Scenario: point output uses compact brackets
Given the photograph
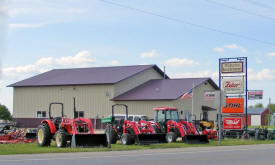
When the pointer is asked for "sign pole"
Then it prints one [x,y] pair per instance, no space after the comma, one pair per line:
[246,124]
[220,106]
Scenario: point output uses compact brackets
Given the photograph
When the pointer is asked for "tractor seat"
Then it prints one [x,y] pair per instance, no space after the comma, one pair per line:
[57,121]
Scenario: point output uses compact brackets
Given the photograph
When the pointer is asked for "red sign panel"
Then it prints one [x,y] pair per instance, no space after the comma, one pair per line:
[232,123]
[233,105]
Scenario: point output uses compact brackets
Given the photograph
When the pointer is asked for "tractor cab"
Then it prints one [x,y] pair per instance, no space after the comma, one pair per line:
[163,114]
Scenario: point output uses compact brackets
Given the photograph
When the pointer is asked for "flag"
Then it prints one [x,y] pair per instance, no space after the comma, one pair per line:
[187,95]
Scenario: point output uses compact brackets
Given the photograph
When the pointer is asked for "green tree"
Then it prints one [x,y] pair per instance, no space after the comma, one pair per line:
[271,107]
[4,113]
[259,105]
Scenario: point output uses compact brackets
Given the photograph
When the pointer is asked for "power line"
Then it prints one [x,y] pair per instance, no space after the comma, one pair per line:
[259,4]
[188,23]
[240,10]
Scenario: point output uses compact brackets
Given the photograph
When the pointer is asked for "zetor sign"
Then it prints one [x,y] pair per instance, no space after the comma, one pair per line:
[232,123]
[233,105]
[232,85]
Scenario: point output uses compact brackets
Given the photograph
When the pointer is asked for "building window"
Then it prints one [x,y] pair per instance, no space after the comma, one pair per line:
[41,114]
[79,113]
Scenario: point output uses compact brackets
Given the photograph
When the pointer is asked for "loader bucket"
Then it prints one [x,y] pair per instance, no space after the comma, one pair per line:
[146,139]
[195,139]
[89,140]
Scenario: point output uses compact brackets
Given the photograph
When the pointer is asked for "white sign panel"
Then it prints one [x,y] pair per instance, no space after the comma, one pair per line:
[232,67]
[209,95]
[233,85]
[255,120]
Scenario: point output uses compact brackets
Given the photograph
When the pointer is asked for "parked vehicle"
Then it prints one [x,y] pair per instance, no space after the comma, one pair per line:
[207,127]
[131,117]
[77,132]
[130,132]
[169,123]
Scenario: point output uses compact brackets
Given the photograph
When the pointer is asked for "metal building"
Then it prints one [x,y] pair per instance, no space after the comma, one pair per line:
[141,87]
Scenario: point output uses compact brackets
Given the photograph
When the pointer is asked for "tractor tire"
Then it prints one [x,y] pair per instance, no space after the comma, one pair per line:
[171,137]
[113,134]
[126,139]
[61,138]
[43,135]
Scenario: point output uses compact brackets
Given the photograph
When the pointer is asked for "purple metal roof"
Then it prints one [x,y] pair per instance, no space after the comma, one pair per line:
[82,76]
[163,89]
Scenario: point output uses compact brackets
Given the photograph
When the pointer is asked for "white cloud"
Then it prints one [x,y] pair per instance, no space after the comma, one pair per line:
[50,11]
[272,54]
[81,59]
[231,46]
[259,61]
[115,63]
[3,9]
[151,54]
[180,62]
[217,49]
[16,26]
[204,73]
[264,74]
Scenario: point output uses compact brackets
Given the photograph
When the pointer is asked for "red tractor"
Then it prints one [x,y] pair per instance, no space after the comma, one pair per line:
[168,121]
[77,132]
[130,132]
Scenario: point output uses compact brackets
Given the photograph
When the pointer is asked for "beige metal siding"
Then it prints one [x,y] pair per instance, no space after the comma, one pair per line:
[135,81]
[198,102]
[93,100]
[89,98]
[146,107]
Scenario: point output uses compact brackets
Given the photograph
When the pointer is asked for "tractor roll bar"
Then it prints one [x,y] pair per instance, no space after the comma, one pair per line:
[126,109]
[50,108]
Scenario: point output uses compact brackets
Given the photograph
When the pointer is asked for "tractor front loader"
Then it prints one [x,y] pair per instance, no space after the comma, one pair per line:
[130,132]
[168,121]
[76,132]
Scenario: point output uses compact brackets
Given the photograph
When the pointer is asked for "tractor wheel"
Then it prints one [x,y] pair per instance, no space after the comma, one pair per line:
[171,137]
[43,135]
[61,138]
[113,134]
[126,139]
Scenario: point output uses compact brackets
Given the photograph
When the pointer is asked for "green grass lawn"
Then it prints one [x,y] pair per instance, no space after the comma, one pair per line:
[33,148]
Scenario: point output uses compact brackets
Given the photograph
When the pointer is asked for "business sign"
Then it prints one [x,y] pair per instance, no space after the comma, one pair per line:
[209,96]
[233,85]
[255,94]
[232,67]
[233,105]
[232,123]
[255,120]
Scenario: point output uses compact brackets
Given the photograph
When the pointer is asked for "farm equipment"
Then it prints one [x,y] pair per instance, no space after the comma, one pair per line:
[168,121]
[260,134]
[10,134]
[130,132]
[78,132]
[207,127]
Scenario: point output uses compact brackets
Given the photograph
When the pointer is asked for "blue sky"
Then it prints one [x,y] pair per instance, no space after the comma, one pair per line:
[39,35]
